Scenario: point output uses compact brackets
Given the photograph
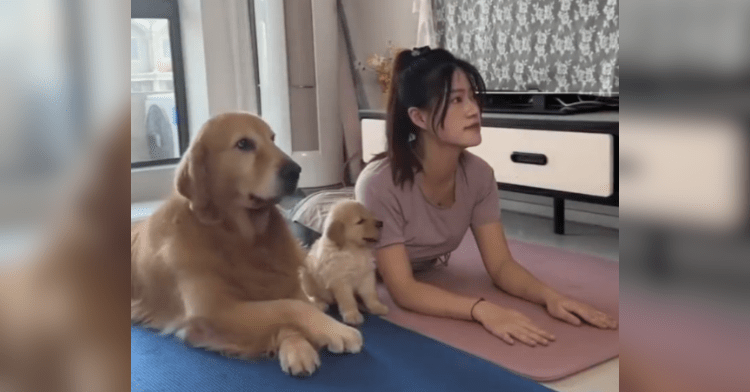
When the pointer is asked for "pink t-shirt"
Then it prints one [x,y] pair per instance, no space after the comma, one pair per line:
[429,231]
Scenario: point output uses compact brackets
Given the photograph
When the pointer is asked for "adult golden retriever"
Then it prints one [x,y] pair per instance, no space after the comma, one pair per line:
[217,264]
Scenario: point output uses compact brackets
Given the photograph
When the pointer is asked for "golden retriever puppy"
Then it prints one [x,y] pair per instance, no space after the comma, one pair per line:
[340,264]
[217,263]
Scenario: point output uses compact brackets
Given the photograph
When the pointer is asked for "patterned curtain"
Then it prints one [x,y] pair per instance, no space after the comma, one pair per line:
[567,46]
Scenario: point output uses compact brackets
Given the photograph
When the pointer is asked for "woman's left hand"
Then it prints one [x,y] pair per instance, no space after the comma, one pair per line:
[570,310]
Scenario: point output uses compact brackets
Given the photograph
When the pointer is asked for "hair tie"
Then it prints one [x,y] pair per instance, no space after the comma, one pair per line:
[420,51]
[418,58]
[471,312]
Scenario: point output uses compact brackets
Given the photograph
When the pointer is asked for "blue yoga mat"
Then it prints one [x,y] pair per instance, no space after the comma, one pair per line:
[392,359]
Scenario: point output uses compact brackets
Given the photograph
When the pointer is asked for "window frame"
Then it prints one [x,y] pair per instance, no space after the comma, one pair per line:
[169,10]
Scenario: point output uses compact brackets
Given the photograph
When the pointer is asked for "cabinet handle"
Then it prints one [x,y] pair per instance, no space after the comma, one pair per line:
[528,158]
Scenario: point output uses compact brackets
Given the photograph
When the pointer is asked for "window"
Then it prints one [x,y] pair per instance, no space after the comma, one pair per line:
[159,130]
[134,49]
[209,45]
[167,49]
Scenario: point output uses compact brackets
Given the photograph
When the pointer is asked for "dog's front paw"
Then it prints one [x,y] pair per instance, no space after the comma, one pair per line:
[298,357]
[353,317]
[343,338]
[378,309]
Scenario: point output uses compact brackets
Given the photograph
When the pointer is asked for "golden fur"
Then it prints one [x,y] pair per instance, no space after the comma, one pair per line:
[340,264]
[217,263]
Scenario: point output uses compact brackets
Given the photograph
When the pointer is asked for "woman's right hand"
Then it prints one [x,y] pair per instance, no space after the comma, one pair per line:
[508,324]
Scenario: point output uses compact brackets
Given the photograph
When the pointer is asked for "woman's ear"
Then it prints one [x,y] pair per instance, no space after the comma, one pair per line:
[418,117]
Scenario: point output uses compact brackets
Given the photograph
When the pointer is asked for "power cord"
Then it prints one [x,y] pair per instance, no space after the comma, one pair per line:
[356,154]
[586,105]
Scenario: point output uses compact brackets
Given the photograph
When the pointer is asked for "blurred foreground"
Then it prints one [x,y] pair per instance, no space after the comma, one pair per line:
[64,196]
[684,176]
[685,196]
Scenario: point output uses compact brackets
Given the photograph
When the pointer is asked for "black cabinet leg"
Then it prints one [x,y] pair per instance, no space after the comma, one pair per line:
[559,215]
[658,264]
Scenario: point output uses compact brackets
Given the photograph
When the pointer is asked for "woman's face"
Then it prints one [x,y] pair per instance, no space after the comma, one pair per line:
[462,124]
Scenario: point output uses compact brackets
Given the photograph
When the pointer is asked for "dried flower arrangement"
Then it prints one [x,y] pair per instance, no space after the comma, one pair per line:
[382,65]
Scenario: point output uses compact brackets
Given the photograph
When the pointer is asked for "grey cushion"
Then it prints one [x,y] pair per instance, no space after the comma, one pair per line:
[309,215]
[312,211]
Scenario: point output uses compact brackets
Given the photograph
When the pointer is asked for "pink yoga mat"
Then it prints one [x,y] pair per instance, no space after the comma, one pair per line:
[586,278]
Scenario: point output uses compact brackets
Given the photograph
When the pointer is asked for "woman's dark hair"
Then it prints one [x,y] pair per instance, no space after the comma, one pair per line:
[420,78]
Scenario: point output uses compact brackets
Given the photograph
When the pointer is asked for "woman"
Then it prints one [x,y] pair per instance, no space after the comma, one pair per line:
[428,190]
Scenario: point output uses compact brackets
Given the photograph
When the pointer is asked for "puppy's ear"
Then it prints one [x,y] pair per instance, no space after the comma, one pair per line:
[336,233]
[192,181]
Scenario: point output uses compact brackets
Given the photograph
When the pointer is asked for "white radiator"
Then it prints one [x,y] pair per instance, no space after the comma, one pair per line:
[298,72]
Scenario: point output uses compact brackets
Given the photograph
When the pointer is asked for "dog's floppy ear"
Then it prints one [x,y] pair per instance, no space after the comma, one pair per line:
[336,233]
[192,181]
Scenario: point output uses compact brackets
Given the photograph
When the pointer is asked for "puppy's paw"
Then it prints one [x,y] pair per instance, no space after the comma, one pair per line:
[353,317]
[378,308]
[344,338]
[298,357]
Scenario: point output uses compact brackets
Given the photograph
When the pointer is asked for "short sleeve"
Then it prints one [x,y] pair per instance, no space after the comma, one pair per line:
[487,203]
[385,205]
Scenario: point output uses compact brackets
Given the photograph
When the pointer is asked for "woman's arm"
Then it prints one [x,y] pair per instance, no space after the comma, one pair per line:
[393,265]
[507,324]
[512,278]
[505,272]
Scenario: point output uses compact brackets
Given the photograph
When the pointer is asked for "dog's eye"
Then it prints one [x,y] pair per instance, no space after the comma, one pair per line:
[361,221]
[246,144]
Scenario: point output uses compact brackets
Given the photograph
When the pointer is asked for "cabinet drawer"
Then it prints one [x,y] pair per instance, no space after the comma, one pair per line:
[557,160]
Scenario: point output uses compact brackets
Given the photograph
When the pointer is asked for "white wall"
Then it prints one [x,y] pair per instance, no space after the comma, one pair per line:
[228,56]
[371,25]
[193,51]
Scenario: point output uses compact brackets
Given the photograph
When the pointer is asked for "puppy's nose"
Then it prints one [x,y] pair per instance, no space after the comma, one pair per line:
[379,224]
[289,174]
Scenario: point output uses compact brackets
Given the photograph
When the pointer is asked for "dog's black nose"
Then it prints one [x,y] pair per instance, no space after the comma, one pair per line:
[378,224]
[290,171]
[289,174]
